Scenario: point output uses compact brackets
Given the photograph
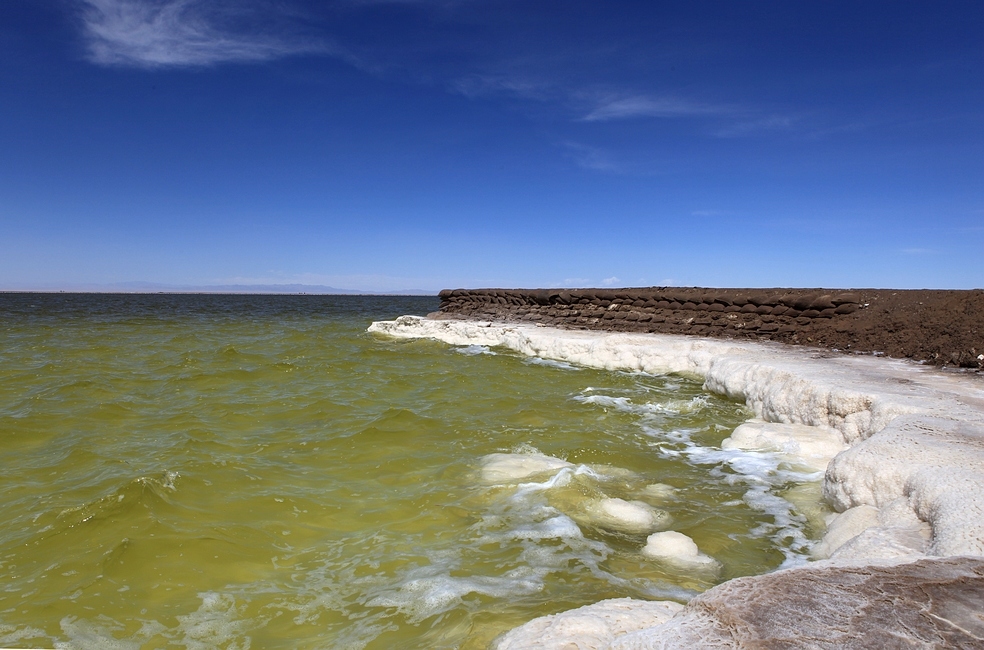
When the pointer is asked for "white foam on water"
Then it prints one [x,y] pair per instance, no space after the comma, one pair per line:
[218,622]
[84,634]
[626,405]
[550,363]
[428,591]
[12,636]
[472,350]
[763,475]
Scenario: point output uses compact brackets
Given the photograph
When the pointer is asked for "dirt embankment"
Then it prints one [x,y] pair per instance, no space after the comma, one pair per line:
[944,328]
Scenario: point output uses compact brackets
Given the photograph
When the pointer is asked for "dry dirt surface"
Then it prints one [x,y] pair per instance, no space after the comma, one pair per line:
[941,327]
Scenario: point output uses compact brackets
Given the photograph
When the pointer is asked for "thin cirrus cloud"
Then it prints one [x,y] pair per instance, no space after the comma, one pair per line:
[620,108]
[587,157]
[182,33]
[483,85]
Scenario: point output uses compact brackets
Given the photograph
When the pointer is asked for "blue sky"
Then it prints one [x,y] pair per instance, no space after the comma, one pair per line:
[416,144]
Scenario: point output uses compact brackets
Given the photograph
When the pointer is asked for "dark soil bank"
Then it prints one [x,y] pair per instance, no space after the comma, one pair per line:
[945,328]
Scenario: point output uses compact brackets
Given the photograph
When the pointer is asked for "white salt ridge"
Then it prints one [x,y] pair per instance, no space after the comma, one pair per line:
[916,433]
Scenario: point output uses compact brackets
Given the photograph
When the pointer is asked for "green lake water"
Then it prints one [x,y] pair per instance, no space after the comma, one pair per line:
[259,472]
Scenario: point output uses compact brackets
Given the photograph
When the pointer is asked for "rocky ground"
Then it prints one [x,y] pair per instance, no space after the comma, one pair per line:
[941,327]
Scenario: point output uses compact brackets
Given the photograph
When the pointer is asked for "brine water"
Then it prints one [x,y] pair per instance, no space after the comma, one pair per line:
[207,471]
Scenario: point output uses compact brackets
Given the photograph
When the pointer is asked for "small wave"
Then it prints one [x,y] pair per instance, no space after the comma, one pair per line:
[139,490]
[472,350]
[625,405]
[550,363]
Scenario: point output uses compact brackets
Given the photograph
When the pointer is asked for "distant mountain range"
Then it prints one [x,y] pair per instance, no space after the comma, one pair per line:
[153,287]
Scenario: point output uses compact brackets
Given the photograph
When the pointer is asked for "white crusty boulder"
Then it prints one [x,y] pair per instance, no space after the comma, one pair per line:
[503,469]
[592,627]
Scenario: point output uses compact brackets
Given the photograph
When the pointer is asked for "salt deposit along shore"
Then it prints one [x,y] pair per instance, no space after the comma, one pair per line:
[901,565]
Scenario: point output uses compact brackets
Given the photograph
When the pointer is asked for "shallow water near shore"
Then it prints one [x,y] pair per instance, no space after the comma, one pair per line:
[258,471]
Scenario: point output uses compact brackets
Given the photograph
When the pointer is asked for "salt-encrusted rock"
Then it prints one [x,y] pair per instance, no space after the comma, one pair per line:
[844,527]
[813,447]
[634,517]
[658,491]
[678,551]
[587,628]
[500,469]
[930,603]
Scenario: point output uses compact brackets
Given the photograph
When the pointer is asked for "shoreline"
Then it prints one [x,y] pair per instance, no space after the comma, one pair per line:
[909,488]
[944,328]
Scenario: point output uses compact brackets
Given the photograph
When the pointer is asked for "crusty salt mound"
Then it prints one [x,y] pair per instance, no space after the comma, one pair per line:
[634,517]
[812,447]
[902,446]
[679,551]
[499,469]
[593,626]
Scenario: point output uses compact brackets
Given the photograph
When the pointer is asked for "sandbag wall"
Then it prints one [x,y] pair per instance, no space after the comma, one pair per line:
[740,312]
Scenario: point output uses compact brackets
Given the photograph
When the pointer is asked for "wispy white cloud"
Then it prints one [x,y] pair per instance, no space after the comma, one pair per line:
[610,282]
[754,126]
[609,107]
[587,157]
[484,85]
[709,213]
[169,33]
[918,251]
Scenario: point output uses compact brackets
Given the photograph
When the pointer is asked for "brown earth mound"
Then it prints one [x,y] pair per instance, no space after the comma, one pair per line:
[944,328]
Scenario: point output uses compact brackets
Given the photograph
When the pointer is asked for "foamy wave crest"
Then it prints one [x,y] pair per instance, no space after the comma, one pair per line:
[550,363]
[626,405]
[219,622]
[472,350]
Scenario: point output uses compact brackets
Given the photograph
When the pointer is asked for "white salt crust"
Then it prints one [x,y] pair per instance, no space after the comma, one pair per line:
[903,444]
[593,626]
[810,446]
